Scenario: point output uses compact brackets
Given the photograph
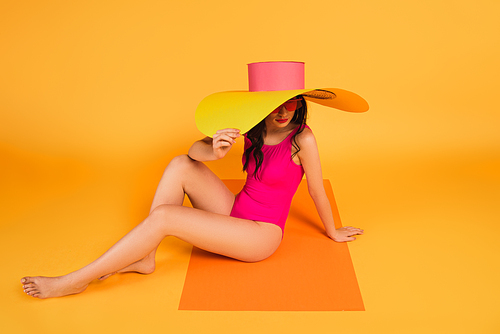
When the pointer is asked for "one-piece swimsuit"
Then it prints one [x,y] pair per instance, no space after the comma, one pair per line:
[268,198]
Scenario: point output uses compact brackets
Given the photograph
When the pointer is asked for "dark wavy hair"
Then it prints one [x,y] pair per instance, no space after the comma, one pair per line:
[257,133]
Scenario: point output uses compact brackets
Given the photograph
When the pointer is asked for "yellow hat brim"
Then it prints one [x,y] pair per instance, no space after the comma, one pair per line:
[243,110]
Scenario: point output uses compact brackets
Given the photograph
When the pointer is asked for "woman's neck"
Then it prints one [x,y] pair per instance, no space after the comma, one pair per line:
[276,135]
[273,130]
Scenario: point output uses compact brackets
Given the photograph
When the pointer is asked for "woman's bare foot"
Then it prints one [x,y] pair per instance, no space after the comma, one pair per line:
[145,266]
[48,287]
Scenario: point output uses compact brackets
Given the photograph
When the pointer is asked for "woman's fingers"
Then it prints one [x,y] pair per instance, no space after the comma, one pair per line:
[233,133]
[228,130]
[346,233]
[225,137]
[351,229]
[223,140]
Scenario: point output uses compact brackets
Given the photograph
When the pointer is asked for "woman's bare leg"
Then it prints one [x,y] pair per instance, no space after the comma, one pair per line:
[204,189]
[241,239]
[213,231]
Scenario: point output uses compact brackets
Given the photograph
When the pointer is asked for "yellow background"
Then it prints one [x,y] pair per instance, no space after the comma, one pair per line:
[97,96]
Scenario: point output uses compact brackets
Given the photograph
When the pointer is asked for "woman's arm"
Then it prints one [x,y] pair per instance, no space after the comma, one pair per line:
[215,148]
[309,158]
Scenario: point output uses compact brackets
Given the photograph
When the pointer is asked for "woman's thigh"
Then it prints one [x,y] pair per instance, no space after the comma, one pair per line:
[204,189]
[241,239]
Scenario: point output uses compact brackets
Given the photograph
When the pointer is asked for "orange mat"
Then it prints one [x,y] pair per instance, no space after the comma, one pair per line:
[309,271]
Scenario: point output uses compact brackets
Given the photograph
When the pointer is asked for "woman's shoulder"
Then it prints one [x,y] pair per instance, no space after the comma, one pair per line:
[306,134]
[306,140]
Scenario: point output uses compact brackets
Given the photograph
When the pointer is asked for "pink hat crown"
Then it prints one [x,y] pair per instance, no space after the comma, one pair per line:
[275,75]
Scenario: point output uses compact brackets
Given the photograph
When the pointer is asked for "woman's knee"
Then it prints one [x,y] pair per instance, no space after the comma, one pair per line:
[182,164]
[181,161]
[158,218]
[167,218]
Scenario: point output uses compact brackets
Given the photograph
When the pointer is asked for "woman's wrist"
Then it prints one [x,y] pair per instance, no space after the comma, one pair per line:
[332,233]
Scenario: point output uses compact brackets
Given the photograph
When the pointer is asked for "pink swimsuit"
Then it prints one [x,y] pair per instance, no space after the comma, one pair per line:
[268,199]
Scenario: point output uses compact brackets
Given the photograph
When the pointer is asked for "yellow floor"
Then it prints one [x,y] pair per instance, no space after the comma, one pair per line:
[428,262]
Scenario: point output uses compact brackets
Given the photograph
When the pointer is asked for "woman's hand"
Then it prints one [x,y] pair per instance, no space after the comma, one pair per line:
[345,234]
[223,140]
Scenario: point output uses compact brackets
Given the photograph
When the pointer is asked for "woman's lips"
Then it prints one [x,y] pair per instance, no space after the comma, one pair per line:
[282,120]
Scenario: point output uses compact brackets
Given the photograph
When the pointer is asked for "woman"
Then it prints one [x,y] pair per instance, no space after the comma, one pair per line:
[278,151]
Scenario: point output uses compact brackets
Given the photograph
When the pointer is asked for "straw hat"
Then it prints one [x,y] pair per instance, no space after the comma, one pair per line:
[270,85]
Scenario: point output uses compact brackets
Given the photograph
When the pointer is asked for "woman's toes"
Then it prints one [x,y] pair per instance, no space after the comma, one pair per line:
[30,287]
[30,290]
[28,281]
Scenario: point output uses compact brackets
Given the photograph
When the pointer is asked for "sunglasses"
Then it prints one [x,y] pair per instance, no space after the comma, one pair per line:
[290,105]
